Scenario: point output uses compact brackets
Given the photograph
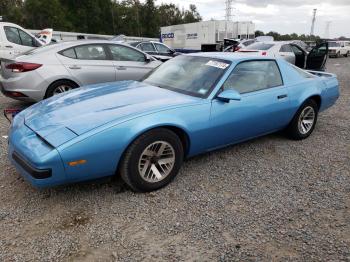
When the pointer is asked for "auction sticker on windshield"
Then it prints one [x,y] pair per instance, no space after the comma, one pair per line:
[217,64]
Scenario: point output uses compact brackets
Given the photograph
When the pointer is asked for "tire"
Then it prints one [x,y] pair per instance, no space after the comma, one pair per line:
[338,55]
[297,129]
[347,54]
[145,154]
[60,86]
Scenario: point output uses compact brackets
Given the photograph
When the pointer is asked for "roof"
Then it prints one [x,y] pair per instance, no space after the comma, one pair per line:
[233,57]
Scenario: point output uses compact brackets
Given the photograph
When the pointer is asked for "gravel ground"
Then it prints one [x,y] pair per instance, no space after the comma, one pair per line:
[267,199]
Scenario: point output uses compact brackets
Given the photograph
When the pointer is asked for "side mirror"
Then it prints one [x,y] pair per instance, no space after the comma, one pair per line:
[148,58]
[229,94]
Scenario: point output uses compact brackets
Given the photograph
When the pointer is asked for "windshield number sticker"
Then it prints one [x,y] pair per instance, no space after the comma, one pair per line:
[217,64]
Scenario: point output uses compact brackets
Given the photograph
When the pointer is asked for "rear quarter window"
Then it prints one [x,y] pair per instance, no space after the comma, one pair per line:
[69,53]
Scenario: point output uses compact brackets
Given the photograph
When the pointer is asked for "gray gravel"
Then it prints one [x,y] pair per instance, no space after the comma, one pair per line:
[267,199]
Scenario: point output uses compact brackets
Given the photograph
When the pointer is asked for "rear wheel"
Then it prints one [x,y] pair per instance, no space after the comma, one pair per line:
[304,121]
[59,87]
[152,160]
[347,54]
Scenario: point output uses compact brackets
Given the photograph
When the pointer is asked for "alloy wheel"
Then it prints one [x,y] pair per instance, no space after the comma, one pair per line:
[61,89]
[306,120]
[156,161]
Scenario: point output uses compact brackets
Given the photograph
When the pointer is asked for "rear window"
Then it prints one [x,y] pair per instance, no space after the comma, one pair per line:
[302,72]
[259,46]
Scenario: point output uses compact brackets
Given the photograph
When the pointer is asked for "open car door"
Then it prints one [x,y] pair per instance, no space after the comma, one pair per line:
[316,59]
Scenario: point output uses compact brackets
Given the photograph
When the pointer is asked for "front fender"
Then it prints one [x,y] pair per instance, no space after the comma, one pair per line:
[103,149]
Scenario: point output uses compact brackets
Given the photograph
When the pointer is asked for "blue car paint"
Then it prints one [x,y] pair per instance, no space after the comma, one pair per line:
[98,122]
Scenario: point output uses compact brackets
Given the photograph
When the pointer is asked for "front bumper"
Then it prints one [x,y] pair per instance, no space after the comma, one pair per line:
[34,172]
[38,162]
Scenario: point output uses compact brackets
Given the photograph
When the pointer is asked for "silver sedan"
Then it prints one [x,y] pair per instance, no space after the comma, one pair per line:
[57,68]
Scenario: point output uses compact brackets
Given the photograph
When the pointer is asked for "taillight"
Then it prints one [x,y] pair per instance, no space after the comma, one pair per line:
[23,67]
[264,53]
[237,48]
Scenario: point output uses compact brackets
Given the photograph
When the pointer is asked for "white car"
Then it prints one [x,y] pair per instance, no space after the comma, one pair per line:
[339,48]
[291,52]
[57,68]
[15,40]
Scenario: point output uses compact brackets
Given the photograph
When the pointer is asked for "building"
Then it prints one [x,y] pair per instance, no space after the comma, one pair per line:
[201,35]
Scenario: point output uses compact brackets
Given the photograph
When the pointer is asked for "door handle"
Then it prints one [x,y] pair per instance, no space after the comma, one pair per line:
[75,67]
[121,68]
[282,96]
[8,46]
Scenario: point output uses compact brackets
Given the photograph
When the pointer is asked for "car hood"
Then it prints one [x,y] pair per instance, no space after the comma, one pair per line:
[63,117]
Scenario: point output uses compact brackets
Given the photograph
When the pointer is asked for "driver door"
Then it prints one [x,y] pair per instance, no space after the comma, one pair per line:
[317,58]
[264,106]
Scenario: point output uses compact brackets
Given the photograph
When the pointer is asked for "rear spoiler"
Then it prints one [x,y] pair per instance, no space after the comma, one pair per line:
[320,74]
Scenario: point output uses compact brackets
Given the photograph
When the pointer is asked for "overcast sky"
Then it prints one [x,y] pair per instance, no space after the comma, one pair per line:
[283,16]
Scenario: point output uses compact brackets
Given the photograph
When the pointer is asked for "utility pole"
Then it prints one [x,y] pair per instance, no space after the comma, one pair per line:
[228,14]
[326,33]
[313,22]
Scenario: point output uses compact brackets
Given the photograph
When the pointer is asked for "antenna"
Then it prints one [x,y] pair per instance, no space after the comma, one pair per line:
[326,33]
[228,14]
[313,22]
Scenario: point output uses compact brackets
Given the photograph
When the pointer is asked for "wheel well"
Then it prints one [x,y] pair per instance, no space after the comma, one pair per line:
[63,79]
[185,140]
[317,99]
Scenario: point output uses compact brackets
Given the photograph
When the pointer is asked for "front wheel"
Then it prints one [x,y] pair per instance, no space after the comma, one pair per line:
[304,121]
[152,160]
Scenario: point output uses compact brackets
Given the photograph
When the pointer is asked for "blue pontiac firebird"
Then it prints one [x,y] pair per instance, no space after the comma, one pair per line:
[143,130]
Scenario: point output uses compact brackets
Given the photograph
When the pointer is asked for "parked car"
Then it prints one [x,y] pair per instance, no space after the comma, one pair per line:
[57,68]
[143,130]
[15,40]
[339,48]
[239,45]
[293,53]
[158,50]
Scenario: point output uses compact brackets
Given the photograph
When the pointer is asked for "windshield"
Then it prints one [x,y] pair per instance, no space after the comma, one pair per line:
[333,44]
[259,46]
[192,75]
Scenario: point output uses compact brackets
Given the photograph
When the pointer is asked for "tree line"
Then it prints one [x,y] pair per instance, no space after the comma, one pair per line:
[288,37]
[112,17]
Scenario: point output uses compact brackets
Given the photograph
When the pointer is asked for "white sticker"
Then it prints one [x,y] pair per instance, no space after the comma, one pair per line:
[5,137]
[217,64]
[202,91]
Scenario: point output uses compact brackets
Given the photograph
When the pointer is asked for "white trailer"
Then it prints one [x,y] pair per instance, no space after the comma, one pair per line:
[205,34]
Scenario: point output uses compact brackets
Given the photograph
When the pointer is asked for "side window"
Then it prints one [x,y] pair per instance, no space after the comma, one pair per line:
[297,50]
[69,53]
[147,47]
[162,48]
[286,48]
[252,76]
[12,35]
[27,40]
[123,53]
[90,52]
